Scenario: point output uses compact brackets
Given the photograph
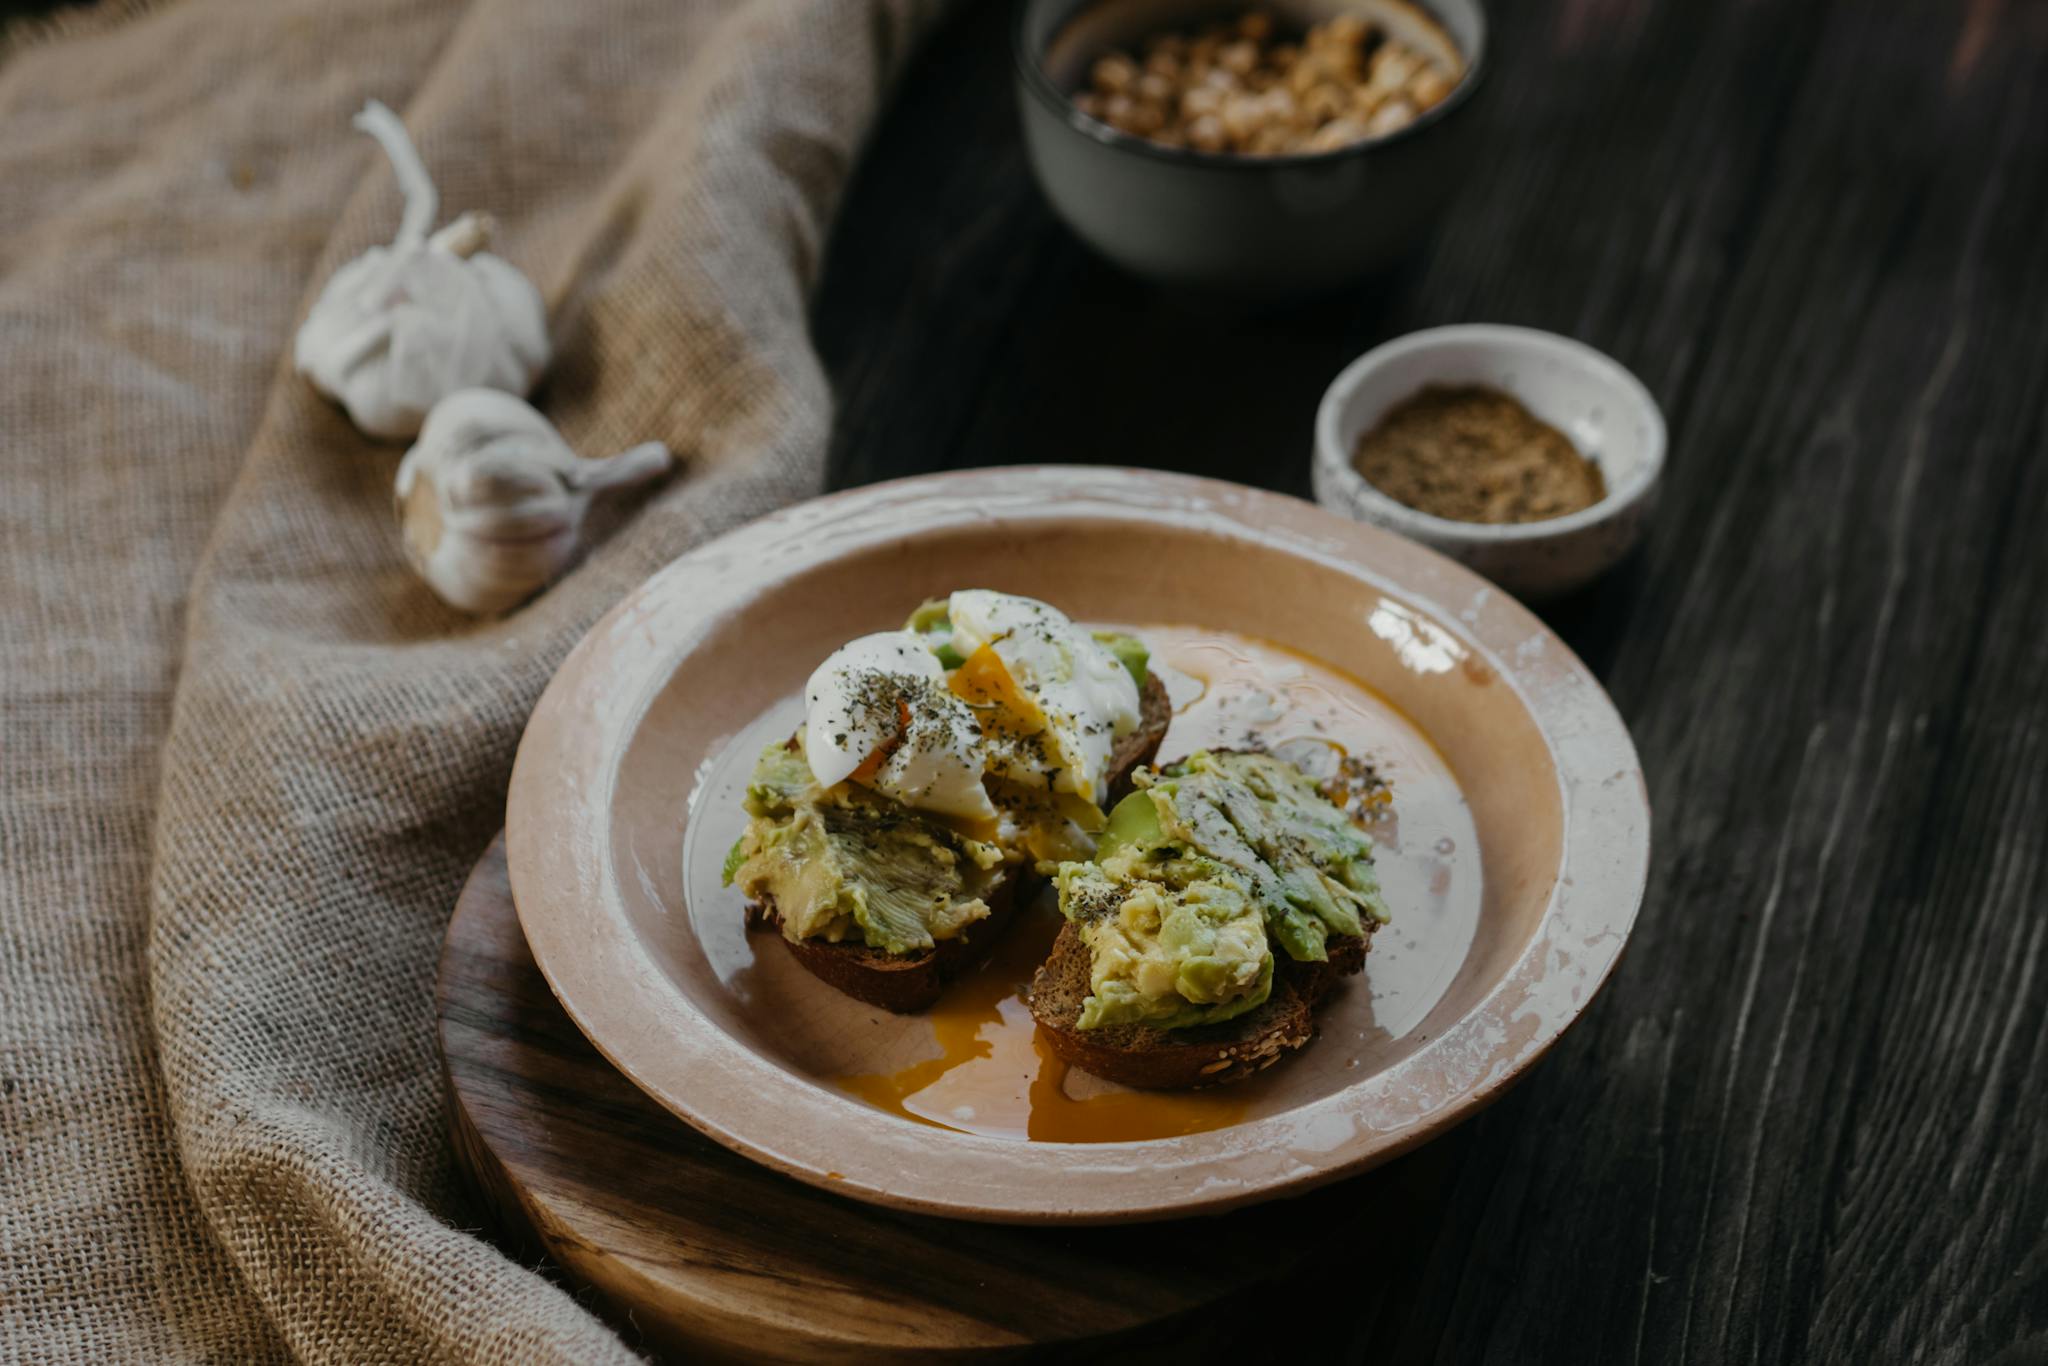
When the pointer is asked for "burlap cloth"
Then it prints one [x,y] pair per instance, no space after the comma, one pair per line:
[248,759]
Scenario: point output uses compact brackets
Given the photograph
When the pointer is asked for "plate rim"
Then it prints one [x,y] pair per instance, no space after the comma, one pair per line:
[602,990]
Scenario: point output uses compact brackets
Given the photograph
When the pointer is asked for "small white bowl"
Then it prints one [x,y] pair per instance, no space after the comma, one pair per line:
[1604,409]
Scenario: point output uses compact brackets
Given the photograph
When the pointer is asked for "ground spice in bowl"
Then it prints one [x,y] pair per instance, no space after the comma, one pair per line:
[1474,454]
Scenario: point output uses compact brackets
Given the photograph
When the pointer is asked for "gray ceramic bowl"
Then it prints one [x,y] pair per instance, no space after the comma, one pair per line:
[1258,227]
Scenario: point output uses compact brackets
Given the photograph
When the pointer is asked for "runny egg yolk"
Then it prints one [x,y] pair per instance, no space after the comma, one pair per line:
[984,681]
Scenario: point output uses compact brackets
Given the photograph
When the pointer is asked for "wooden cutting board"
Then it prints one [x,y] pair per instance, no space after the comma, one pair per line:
[694,1251]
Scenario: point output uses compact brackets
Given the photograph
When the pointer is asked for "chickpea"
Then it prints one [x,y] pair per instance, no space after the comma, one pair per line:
[1346,30]
[1238,58]
[1205,134]
[1392,68]
[1203,99]
[1337,133]
[1113,73]
[1324,102]
[1241,117]
[1390,117]
[1429,87]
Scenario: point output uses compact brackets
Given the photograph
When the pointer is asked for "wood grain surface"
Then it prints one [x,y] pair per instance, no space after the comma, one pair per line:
[1805,1121]
[698,1254]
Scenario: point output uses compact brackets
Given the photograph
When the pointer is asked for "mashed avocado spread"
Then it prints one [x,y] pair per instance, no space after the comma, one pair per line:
[1199,872]
[844,863]
[847,863]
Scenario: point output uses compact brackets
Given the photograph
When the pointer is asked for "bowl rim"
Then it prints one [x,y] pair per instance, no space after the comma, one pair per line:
[569,887]
[1032,76]
[1334,460]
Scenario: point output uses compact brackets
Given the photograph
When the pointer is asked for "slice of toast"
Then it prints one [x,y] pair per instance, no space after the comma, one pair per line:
[903,982]
[1182,1059]
[910,982]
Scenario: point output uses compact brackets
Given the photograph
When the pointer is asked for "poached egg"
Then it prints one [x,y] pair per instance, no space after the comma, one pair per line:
[1053,700]
[878,711]
[1035,701]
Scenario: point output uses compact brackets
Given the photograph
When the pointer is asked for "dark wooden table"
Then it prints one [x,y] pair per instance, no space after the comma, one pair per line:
[1806,1120]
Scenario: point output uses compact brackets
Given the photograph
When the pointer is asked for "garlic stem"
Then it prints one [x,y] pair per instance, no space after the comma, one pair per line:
[635,466]
[466,236]
[422,201]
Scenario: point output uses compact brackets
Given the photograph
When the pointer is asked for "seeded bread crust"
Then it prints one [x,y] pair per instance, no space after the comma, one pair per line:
[907,983]
[1141,746]
[1184,1059]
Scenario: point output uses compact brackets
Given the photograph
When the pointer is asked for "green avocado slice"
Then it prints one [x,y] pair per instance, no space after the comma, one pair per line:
[1197,873]
[1308,865]
[931,620]
[1133,825]
[1129,651]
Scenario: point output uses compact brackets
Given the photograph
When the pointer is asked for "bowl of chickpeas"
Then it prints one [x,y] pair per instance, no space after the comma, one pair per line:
[1263,152]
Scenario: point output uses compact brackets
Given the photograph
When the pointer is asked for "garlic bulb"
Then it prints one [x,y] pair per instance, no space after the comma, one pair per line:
[491,498]
[400,327]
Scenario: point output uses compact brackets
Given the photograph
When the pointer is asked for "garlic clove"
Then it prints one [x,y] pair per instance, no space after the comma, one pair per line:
[403,326]
[491,499]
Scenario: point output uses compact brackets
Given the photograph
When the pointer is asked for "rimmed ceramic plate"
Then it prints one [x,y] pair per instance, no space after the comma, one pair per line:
[1508,916]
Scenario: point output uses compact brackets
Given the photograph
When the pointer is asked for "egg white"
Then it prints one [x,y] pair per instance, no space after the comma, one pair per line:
[855,704]
[1085,698]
